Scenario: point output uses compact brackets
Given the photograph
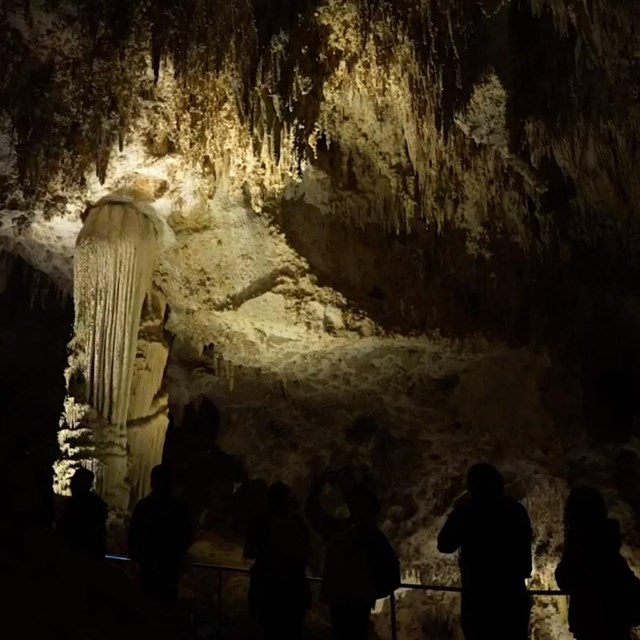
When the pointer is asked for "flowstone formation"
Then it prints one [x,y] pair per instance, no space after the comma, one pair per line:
[115,416]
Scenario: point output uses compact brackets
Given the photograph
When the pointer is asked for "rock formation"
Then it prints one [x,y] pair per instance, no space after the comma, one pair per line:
[115,417]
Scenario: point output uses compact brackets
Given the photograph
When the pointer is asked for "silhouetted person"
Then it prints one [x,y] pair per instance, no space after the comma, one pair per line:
[493,535]
[603,591]
[279,593]
[160,535]
[360,565]
[84,519]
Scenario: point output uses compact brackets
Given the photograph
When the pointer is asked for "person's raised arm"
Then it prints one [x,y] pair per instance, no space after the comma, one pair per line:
[323,523]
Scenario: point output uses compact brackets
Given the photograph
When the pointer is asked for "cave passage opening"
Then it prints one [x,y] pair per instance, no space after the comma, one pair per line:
[35,327]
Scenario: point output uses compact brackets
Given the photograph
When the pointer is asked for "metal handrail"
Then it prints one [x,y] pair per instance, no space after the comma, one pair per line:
[221,569]
[403,585]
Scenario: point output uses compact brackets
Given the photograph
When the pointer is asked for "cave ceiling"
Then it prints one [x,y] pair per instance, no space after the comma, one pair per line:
[392,158]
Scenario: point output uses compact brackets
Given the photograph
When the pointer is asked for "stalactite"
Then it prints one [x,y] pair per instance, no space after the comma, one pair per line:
[113,265]
[145,440]
[117,356]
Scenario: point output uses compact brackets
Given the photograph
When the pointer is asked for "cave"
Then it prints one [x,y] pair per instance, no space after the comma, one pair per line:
[253,242]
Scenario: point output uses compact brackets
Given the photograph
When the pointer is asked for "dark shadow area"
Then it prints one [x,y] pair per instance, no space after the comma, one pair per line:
[581,306]
[54,591]
[35,327]
[604,593]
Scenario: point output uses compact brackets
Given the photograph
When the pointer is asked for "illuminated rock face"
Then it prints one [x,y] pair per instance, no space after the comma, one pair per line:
[115,417]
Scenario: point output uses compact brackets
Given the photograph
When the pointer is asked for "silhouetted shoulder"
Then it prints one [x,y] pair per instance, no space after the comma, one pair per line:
[143,504]
[518,512]
[138,510]
[99,505]
[514,505]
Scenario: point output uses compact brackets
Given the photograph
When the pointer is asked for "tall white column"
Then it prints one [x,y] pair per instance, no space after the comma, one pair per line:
[115,415]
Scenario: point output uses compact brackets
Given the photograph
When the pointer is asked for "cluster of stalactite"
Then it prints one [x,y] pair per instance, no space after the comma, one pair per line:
[574,96]
[252,79]
[67,115]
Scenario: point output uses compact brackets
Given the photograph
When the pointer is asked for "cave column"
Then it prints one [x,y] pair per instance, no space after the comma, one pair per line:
[115,414]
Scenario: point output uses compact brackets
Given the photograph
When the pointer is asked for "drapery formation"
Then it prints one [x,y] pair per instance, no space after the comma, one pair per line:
[112,275]
[115,416]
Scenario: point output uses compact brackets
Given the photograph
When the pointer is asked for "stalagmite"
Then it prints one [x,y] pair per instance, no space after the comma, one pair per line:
[117,354]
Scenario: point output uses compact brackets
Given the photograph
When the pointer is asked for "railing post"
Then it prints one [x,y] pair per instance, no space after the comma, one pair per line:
[392,607]
[220,595]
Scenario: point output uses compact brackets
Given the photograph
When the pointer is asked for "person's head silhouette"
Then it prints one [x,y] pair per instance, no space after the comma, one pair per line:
[585,507]
[161,480]
[364,506]
[81,482]
[484,482]
[278,498]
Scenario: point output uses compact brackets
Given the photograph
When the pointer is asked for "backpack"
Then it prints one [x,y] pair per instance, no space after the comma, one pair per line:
[384,564]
